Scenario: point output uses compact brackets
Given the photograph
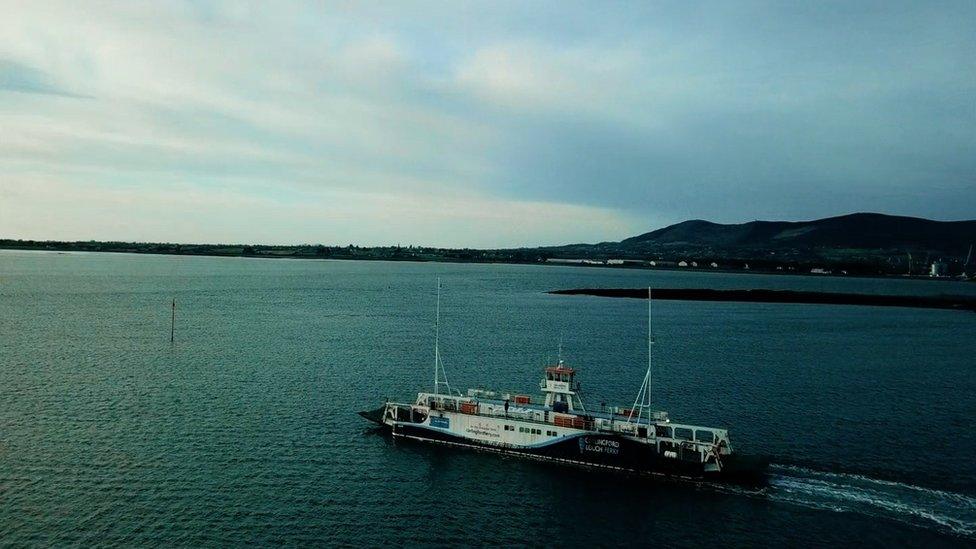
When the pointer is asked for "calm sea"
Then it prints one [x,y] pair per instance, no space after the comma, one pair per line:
[244,431]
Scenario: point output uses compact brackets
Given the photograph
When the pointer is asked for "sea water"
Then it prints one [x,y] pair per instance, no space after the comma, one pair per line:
[244,431]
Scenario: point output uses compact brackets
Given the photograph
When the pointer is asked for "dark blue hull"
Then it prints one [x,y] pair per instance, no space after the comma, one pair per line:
[607,451]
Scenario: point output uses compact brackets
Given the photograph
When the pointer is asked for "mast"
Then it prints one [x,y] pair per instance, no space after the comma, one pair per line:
[649,348]
[172,323]
[440,374]
[643,400]
[437,339]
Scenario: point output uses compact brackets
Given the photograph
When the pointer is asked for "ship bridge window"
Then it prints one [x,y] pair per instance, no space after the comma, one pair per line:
[704,436]
[662,431]
[683,433]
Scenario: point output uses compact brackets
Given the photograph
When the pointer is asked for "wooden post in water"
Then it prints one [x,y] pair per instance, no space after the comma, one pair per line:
[172,324]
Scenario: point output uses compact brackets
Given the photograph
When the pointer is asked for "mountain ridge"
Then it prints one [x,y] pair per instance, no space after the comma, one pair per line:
[861,230]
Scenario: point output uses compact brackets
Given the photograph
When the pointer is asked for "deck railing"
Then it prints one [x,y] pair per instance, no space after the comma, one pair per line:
[588,425]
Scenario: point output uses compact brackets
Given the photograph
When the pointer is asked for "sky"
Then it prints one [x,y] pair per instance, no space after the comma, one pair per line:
[488,124]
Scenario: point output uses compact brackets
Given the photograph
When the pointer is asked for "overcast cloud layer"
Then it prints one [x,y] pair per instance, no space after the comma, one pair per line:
[491,124]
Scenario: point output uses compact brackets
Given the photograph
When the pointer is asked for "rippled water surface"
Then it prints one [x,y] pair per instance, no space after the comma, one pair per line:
[244,431]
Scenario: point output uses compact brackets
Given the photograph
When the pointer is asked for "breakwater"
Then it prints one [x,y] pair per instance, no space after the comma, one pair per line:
[962,303]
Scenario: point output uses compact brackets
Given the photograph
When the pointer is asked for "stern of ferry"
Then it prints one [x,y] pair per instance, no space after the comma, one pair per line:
[745,469]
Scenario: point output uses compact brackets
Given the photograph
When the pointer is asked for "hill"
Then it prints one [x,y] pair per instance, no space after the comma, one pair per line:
[860,231]
[860,243]
[854,231]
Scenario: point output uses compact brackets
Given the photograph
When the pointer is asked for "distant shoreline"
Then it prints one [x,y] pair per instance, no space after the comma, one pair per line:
[400,254]
[958,303]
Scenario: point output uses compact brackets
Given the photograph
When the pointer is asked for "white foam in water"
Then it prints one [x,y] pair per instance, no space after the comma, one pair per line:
[858,494]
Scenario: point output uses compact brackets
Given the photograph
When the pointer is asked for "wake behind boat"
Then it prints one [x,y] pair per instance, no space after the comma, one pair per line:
[558,427]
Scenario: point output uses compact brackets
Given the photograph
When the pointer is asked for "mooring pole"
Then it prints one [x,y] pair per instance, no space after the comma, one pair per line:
[172,323]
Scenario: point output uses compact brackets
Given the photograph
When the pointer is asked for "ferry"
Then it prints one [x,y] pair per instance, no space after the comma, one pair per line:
[558,427]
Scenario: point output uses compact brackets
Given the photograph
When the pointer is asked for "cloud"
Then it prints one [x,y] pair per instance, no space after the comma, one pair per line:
[170,210]
[391,117]
[15,77]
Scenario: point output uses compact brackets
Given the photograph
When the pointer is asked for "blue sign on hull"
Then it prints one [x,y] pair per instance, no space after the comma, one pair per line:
[440,422]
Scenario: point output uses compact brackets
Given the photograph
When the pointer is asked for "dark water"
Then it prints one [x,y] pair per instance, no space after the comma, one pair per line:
[245,431]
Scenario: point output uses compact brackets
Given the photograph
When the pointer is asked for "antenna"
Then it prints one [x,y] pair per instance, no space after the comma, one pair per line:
[172,323]
[559,356]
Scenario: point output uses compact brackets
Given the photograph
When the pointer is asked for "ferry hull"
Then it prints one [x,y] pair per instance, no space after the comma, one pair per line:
[600,450]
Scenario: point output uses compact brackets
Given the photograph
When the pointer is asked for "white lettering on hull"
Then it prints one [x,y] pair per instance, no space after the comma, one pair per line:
[483,430]
[600,446]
